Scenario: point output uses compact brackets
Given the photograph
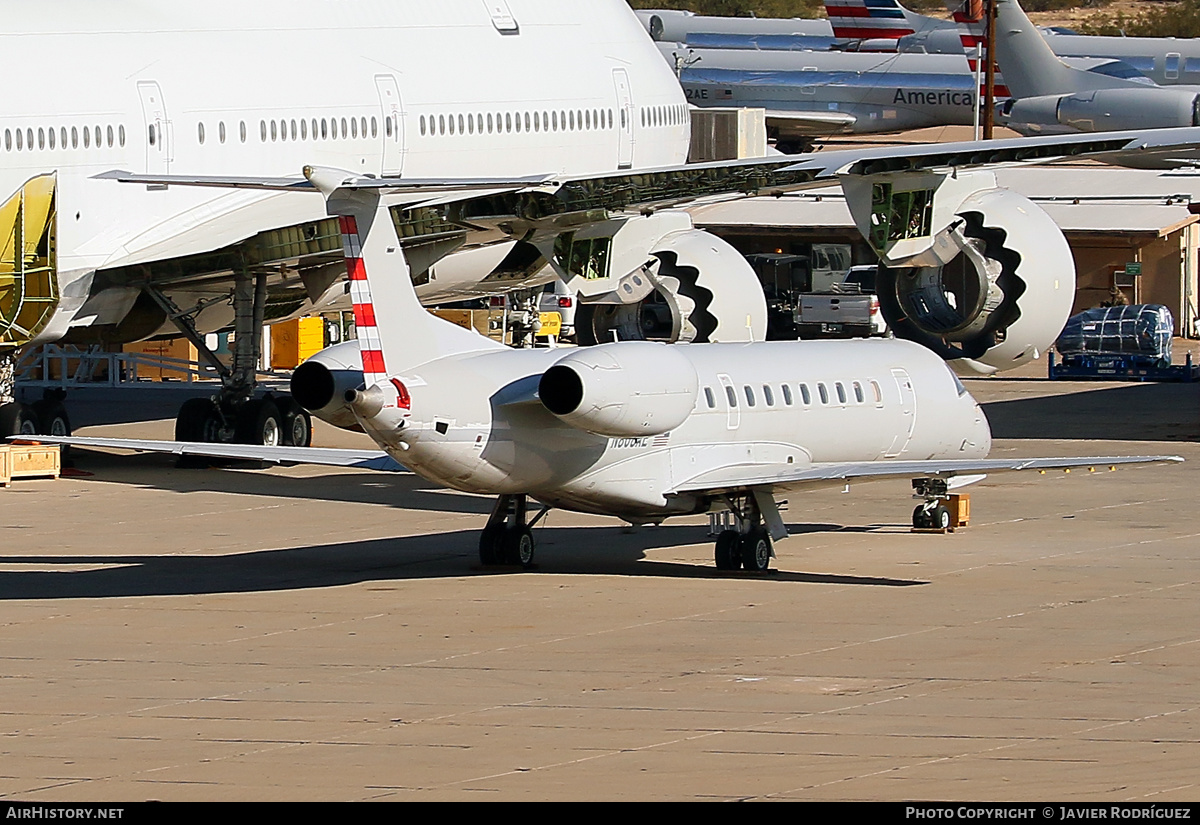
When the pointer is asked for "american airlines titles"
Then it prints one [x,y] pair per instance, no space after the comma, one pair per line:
[943,98]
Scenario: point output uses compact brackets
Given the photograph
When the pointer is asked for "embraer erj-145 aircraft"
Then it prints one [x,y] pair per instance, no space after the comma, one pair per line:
[638,430]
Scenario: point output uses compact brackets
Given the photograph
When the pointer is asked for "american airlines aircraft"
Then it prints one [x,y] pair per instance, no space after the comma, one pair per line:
[634,429]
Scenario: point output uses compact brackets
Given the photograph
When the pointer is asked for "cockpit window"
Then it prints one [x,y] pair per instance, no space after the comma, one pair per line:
[958,385]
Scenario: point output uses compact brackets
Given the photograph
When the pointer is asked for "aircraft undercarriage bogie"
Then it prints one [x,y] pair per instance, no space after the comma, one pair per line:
[270,421]
[507,539]
[932,513]
[748,545]
[47,416]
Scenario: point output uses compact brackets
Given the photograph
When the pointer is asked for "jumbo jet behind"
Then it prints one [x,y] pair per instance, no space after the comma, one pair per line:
[639,430]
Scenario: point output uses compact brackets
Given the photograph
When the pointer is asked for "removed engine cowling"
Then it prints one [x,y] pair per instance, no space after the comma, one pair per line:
[637,389]
[319,385]
[1001,296]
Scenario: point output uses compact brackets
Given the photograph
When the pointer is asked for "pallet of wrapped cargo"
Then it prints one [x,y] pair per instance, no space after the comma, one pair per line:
[1120,343]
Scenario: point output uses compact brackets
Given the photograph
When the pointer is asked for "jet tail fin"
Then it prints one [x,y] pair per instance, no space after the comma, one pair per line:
[395,332]
[868,19]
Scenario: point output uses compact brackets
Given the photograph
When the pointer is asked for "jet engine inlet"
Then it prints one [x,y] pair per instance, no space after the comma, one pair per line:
[1001,301]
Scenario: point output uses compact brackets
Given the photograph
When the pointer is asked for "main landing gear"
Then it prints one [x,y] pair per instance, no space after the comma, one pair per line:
[508,538]
[746,542]
[234,415]
[932,513]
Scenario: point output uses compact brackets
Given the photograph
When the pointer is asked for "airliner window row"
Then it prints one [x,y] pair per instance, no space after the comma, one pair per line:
[856,390]
[63,137]
[284,129]
[585,120]
[665,115]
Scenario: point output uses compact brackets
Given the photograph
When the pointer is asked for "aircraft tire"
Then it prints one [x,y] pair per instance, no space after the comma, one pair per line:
[728,554]
[18,419]
[941,517]
[52,418]
[259,423]
[297,424]
[756,551]
[192,420]
[491,545]
[921,520]
[519,546]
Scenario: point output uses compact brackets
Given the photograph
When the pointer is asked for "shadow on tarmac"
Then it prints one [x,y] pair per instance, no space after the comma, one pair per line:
[578,551]
[1133,412]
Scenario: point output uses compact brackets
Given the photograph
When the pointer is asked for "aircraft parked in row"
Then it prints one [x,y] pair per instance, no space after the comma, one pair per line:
[1049,97]
[638,430]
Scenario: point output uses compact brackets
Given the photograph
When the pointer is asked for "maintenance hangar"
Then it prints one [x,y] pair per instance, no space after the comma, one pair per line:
[1134,234]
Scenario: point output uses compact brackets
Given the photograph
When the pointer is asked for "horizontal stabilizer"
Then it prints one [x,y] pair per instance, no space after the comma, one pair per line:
[363,459]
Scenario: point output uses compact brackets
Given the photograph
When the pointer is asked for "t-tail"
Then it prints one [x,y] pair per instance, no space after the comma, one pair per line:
[395,332]
[868,19]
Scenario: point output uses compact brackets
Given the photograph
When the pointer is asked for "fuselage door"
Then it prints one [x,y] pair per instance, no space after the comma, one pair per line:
[729,398]
[158,128]
[908,409]
[624,119]
[392,134]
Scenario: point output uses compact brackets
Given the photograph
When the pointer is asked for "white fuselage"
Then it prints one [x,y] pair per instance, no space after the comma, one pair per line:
[426,90]
[813,402]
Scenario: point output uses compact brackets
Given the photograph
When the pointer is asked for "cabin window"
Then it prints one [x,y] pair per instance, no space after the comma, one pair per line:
[768,396]
[62,135]
[374,127]
[805,395]
[858,392]
[274,131]
[41,137]
[8,142]
[221,131]
[731,396]
[303,129]
[877,392]
[242,130]
[262,130]
[841,392]
[749,395]
[452,124]
[344,132]
[824,393]
[20,141]
[50,136]
[75,136]
[200,133]
[708,397]
[787,395]
[87,138]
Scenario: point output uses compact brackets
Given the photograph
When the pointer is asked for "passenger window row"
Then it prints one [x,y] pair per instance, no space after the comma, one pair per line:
[856,394]
[63,137]
[676,115]
[578,120]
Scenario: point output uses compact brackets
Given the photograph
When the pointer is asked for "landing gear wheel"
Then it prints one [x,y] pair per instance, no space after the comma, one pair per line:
[519,546]
[491,545]
[921,519]
[52,418]
[258,423]
[192,423]
[756,551]
[18,419]
[729,550]
[297,424]
[941,517]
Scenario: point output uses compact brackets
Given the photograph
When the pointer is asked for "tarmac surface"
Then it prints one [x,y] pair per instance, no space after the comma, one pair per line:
[318,634]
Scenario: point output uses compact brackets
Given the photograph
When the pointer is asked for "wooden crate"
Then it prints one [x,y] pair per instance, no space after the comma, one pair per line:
[5,465]
[34,460]
[960,510]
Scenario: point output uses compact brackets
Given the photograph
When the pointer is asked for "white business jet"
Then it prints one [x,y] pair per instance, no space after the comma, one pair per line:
[638,430]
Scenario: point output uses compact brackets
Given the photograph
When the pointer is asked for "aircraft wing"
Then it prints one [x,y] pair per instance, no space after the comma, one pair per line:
[784,477]
[287,456]
[548,194]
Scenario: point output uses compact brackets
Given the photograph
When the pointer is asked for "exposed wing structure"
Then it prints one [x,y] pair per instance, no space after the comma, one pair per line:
[363,459]
[783,477]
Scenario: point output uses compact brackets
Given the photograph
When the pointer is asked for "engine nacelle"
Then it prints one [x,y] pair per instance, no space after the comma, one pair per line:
[673,283]
[1000,293]
[1104,110]
[631,390]
[319,385]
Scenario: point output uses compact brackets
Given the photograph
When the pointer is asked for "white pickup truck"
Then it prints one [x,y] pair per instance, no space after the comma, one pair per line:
[849,310]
